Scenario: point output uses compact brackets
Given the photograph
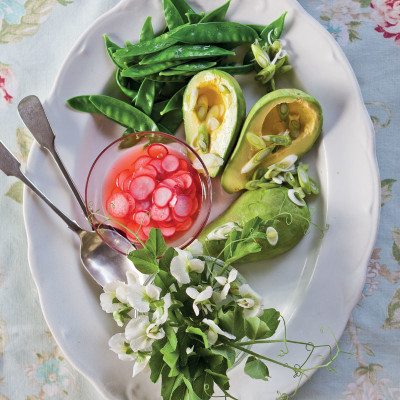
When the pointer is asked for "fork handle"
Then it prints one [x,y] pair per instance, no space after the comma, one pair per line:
[33,115]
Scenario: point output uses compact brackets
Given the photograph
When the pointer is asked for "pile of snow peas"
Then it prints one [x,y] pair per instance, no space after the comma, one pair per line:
[153,73]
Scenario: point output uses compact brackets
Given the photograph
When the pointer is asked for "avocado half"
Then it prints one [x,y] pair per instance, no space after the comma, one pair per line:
[275,208]
[264,119]
[208,89]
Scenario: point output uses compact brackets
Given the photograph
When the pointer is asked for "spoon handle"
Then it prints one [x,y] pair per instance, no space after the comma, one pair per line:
[33,115]
[12,167]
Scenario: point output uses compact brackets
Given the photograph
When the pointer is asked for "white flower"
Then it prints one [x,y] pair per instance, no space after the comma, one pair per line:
[196,248]
[184,263]
[214,331]
[141,333]
[118,344]
[108,297]
[161,314]
[200,298]
[250,301]
[140,297]
[226,282]
[140,365]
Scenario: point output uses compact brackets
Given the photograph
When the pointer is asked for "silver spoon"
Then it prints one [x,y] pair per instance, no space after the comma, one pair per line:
[102,262]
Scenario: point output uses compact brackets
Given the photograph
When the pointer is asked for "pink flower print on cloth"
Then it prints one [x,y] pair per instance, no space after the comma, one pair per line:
[8,86]
[386,13]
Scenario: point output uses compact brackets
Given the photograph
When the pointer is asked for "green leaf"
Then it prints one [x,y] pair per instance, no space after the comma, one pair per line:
[156,243]
[156,363]
[226,352]
[199,332]
[166,259]
[122,314]
[256,369]
[255,328]
[169,384]
[24,142]
[164,280]
[221,380]
[147,32]
[170,333]
[192,394]
[15,192]
[386,190]
[271,317]
[204,386]
[171,359]
[232,321]
[144,261]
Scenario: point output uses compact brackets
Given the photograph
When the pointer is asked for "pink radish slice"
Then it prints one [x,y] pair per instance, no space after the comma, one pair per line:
[177,218]
[142,162]
[185,225]
[147,229]
[143,205]
[131,202]
[167,231]
[142,186]
[118,205]
[157,150]
[183,206]
[161,196]
[148,170]
[195,205]
[187,180]
[169,182]
[158,213]
[168,223]
[173,201]
[127,184]
[170,163]
[183,165]
[135,229]
[122,176]
[157,165]
[142,218]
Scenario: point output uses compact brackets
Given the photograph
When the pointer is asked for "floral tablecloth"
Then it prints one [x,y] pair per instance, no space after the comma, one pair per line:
[35,36]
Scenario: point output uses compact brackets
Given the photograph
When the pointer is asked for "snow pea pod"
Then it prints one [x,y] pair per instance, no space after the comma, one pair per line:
[123,84]
[141,71]
[183,8]
[195,66]
[274,30]
[186,52]
[215,32]
[175,102]
[237,69]
[147,32]
[111,48]
[172,16]
[156,111]
[194,18]
[171,121]
[123,113]
[172,72]
[145,97]
[217,15]
[82,103]
[174,78]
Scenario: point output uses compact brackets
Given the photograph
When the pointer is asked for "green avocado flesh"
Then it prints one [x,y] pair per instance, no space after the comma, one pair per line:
[213,94]
[264,119]
[274,208]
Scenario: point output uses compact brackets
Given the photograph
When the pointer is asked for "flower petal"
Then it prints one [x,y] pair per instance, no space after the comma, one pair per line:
[192,292]
[135,333]
[204,295]
[140,366]
[225,291]
[221,280]
[196,248]
[196,265]
[212,337]
[178,269]
[135,295]
[232,275]
[153,292]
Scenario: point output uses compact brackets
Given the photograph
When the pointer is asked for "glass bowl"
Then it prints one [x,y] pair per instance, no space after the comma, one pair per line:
[119,154]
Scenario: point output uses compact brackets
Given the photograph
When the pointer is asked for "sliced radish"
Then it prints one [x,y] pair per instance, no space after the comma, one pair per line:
[147,229]
[185,225]
[177,218]
[157,165]
[195,205]
[168,223]
[170,163]
[118,205]
[157,150]
[173,201]
[127,184]
[162,195]
[183,165]
[131,202]
[169,182]
[183,206]
[143,205]
[135,229]
[159,213]
[167,231]
[187,180]
[148,170]
[142,162]
[142,218]
[121,178]
[142,186]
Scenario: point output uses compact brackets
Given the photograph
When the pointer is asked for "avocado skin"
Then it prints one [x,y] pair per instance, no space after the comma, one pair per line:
[265,203]
[232,180]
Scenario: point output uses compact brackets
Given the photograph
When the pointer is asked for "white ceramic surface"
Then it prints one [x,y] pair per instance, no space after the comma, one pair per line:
[317,283]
